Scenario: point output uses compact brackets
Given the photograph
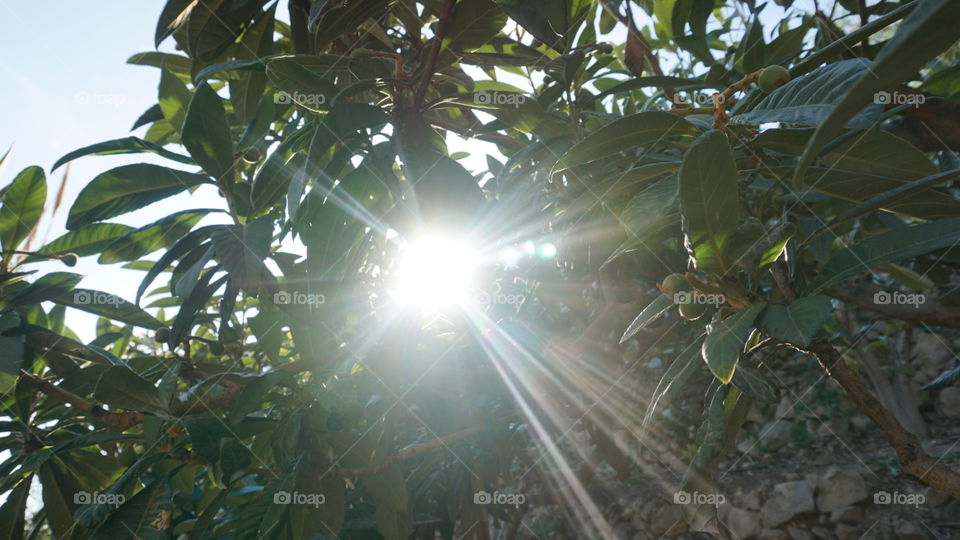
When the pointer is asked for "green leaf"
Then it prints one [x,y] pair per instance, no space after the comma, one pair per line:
[810,98]
[59,487]
[108,305]
[652,312]
[892,246]
[179,249]
[673,381]
[798,322]
[174,14]
[206,133]
[726,340]
[173,99]
[121,387]
[128,188]
[627,133]
[48,287]
[889,199]
[708,198]
[241,250]
[752,383]
[925,33]
[157,235]
[12,522]
[87,240]
[473,24]
[146,516]
[751,54]
[23,202]
[126,145]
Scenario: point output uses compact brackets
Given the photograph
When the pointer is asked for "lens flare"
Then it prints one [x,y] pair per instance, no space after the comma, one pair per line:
[435,272]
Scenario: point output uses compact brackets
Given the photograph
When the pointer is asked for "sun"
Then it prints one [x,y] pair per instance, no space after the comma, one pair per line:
[435,271]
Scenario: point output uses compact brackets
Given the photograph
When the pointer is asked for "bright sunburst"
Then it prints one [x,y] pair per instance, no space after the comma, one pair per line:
[435,271]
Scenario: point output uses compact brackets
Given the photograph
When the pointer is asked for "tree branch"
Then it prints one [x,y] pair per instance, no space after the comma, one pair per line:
[431,63]
[930,312]
[119,421]
[914,460]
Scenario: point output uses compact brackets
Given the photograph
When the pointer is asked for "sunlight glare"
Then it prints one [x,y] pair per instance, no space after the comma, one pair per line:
[435,272]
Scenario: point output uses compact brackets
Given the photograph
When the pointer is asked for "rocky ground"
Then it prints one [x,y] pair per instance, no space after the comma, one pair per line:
[813,467]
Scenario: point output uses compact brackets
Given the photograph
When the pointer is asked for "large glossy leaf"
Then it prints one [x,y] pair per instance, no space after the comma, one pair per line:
[46,288]
[87,240]
[128,188]
[241,250]
[59,488]
[173,99]
[708,199]
[473,24]
[890,199]
[147,239]
[809,99]
[23,202]
[174,14]
[119,386]
[627,133]
[206,133]
[649,314]
[551,21]
[925,33]
[896,245]
[12,512]
[126,145]
[178,250]
[726,340]
[109,306]
[673,380]
[798,322]
[147,515]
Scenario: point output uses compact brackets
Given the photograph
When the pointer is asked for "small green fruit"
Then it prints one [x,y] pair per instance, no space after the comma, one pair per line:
[162,334]
[673,284]
[252,155]
[216,348]
[70,259]
[692,311]
[605,48]
[773,77]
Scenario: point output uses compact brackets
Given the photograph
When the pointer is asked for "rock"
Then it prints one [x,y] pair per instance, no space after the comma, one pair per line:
[775,434]
[907,530]
[786,408]
[838,488]
[773,534]
[848,532]
[823,533]
[751,500]
[668,521]
[847,514]
[950,402]
[931,353]
[788,500]
[743,523]
[797,533]
[621,531]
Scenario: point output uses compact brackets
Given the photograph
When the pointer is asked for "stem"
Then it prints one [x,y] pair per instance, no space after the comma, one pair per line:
[431,64]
